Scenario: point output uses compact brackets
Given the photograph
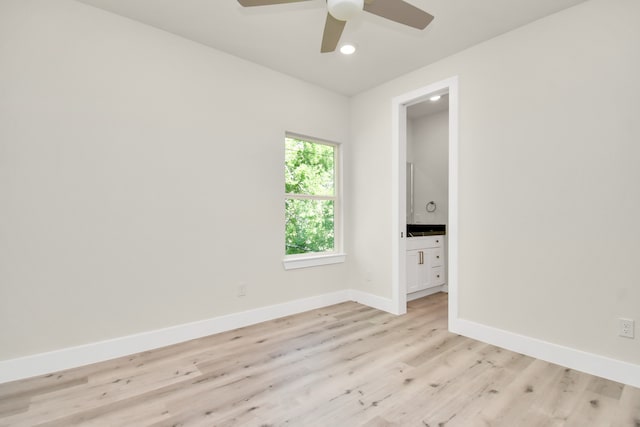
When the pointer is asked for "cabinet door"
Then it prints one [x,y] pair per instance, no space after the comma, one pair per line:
[417,270]
[413,266]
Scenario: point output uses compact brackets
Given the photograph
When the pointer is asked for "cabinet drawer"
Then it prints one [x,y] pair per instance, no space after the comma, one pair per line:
[436,257]
[437,276]
[424,242]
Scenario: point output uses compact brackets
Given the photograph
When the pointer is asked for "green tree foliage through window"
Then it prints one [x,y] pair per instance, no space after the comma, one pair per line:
[310,196]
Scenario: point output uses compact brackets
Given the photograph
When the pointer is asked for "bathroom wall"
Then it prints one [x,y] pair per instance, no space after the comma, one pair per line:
[427,149]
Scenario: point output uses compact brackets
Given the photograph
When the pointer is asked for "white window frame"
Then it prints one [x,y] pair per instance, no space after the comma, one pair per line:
[336,256]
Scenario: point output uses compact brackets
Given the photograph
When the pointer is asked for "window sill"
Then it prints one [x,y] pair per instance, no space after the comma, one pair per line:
[313,261]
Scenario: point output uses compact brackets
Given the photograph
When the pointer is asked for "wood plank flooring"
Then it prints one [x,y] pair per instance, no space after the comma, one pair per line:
[344,365]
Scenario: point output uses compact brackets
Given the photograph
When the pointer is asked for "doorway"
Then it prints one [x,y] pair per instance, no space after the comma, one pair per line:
[399,193]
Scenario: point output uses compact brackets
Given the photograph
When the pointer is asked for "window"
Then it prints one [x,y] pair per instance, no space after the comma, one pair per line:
[312,202]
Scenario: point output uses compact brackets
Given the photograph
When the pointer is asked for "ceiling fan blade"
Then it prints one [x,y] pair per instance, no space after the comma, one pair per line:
[248,3]
[332,32]
[399,11]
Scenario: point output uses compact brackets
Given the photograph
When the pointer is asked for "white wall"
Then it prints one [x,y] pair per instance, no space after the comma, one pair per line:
[428,137]
[141,178]
[548,199]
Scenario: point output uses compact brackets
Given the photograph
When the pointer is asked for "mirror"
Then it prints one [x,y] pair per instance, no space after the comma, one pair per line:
[410,206]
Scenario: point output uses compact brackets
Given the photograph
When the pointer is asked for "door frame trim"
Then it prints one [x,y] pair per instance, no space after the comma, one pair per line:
[399,106]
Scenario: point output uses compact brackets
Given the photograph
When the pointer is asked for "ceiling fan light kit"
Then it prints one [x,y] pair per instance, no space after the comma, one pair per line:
[340,11]
[344,10]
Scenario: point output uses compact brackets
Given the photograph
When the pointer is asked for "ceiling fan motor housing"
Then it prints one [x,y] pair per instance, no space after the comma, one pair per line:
[344,10]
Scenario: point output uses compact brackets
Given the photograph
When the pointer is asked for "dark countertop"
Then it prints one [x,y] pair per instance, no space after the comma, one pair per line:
[419,230]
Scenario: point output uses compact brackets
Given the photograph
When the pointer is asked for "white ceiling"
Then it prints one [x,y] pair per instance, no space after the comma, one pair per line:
[286,37]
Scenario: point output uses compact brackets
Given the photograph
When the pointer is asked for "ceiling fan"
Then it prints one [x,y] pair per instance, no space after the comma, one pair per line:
[340,11]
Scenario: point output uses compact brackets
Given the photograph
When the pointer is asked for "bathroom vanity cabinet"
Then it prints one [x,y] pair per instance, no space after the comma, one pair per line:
[425,262]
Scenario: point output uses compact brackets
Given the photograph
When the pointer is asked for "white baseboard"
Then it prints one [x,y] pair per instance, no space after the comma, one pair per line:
[605,367]
[425,292]
[44,363]
[375,301]
[72,357]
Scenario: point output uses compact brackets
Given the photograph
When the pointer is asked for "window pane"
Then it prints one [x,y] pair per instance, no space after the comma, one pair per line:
[309,226]
[309,168]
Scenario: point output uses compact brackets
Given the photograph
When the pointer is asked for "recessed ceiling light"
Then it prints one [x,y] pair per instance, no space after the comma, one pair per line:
[435,98]
[347,49]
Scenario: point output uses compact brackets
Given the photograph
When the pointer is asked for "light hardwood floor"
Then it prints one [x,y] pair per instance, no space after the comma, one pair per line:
[344,365]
